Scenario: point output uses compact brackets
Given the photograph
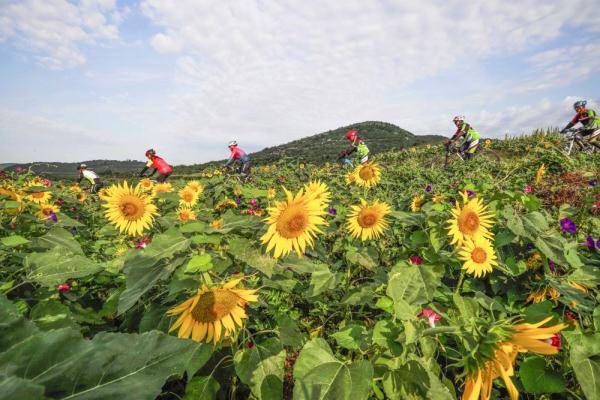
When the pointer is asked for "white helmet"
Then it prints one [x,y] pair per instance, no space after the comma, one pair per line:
[459,118]
[232,143]
[82,166]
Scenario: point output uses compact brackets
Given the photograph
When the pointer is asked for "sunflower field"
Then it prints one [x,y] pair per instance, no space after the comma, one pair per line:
[398,279]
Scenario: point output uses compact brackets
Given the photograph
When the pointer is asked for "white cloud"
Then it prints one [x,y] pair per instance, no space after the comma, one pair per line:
[267,72]
[54,31]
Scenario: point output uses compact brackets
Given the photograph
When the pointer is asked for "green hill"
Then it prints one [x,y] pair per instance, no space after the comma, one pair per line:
[69,170]
[322,147]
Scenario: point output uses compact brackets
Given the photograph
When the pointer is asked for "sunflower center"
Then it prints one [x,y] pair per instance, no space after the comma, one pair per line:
[46,211]
[478,255]
[292,223]
[468,222]
[215,305]
[132,209]
[367,218]
[366,173]
[37,195]
[188,197]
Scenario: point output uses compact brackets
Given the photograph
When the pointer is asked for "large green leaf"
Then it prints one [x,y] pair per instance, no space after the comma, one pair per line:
[289,332]
[584,357]
[57,237]
[13,326]
[319,375]
[261,367]
[57,265]
[537,379]
[321,280]
[352,337]
[411,286]
[13,241]
[110,366]
[201,388]
[143,269]
[247,251]
[14,388]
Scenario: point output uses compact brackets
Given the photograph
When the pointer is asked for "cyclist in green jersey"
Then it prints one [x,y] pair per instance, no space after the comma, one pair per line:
[470,136]
[358,146]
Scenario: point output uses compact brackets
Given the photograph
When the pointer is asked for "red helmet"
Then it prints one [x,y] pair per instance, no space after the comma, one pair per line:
[150,152]
[352,134]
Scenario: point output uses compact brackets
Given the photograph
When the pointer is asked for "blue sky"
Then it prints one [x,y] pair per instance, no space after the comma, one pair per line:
[96,79]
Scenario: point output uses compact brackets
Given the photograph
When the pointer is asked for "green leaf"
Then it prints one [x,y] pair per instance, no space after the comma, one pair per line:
[12,388]
[467,306]
[201,387]
[8,204]
[585,352]
[537,379]
[319,375]
[261,367]
[410,379]
[385,333]
[289,333]
[110,366]
[144,268]
[503,238]
[244,250]
[410,286]
[13,326]
[51,314]
[193,227]
[205,238]
[320,281]
[199,263]
[537,312]
[13,240]
[58,237]
[351,337]
[58,265]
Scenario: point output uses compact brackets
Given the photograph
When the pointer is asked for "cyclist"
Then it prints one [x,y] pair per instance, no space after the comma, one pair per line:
[91,176]
[160,165]
[470,135]
[590,121]
[238,154]
[358,146]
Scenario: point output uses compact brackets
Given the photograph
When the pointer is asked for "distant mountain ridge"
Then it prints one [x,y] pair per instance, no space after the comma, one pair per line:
[317,149]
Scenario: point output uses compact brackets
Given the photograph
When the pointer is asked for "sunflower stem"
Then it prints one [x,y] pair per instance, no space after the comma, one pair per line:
[461,278]
[207,278]
[439,330]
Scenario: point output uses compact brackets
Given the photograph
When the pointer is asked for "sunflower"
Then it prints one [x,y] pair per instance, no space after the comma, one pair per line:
[217,223]
[146,185]
[438,198]
[188,197]
[367,175]
[225,204]
[301,165]
[293,223]
[539,174]
[164,187]
[129,209]
[75,188]
[350,178]
[318,191]
[417,202]
[478,256]
[81,197]
[534,261]
[368,221]
[471,221]
[540,295]
[104,193]
[40,197]
[195,186]
[487,144]
[185,214]
[14,196]
[46,210]
[521,338]
[213,314]
[271,193]
[579,286]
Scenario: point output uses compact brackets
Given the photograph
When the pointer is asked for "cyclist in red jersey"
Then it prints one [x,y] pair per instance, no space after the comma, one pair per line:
[160,165]
[238,154]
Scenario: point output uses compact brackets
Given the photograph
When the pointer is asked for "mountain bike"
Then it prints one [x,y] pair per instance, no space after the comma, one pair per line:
[454,153]
[236,173]
[574,136]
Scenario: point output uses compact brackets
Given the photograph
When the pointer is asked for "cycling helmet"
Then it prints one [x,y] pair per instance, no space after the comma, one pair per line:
[233,143]
[150,152]
[459,118]
[351,134]
[82,166]
[580,103]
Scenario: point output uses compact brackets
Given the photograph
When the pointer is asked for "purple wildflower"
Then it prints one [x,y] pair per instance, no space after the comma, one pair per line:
[307,254]
[551,265]
[332,211]
[470,193]
[428,188]
[590,243]
[568,225]
[73,229]
[452,200]
[593,182]
[53,216]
